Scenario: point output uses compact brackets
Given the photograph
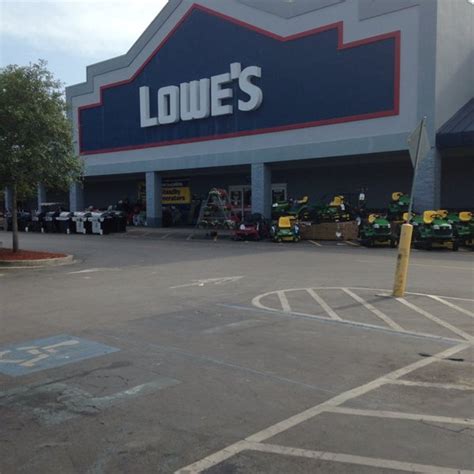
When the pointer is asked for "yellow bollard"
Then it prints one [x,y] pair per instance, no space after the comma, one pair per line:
[403,259]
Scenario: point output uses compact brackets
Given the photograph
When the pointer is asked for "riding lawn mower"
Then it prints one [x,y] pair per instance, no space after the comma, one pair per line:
[254,227]
[377,230]
[433,229]
[398,206]
[287,230]
[297,208]
[463,226]
[336,211]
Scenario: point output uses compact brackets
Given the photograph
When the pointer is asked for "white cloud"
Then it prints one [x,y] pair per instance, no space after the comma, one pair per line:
[87,28]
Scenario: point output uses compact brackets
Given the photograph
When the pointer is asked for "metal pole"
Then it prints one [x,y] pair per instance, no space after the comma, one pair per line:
[417,157]
[404,245]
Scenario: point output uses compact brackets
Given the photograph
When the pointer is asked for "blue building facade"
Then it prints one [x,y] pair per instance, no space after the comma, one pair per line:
[272,100]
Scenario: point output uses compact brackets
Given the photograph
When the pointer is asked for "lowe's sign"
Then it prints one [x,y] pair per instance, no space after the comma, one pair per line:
[214,77]
[200,99]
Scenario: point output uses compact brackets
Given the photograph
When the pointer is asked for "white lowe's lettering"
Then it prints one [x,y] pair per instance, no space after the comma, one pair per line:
[197,100]
[145,119]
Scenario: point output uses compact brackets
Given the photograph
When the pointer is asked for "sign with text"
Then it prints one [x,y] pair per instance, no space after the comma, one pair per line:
[197,100]
[176,192]
[215,77]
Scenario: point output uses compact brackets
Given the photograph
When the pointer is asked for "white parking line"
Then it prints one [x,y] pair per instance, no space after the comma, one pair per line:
[420,265]
[446,386]
[351,323]
[362,288]
[354,244]
[451,305]
[401,416]
[305,415]
[209,281]
[284,301]
[164,236]
[350,394]
[323,304]
[315,243]
[450,297]
[389,292]
[93,270]
[215,458]
[353,459]
[437,320]
[374,310]
[256,301]
[189,237]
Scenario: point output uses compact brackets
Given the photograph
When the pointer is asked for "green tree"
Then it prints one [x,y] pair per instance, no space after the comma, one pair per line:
[35,135]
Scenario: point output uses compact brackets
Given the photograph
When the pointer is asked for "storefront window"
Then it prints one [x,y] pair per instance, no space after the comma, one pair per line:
[278,193]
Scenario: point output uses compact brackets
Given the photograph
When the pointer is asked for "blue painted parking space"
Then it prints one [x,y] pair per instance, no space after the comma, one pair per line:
[41,354]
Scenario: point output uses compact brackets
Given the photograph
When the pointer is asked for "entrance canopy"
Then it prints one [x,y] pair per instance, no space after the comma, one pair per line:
[458,131]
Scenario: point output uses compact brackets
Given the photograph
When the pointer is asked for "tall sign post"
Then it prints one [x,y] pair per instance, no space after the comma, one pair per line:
[418,146]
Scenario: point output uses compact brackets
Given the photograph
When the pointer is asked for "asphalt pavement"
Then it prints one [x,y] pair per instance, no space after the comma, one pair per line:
[166,351]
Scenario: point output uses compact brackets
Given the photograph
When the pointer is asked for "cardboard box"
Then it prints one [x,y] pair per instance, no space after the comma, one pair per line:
[330,231]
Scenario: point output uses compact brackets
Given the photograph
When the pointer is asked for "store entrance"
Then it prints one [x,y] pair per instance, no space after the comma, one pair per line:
[241,198]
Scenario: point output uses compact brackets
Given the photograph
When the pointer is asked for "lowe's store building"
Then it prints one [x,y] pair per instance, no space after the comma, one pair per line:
[270,99]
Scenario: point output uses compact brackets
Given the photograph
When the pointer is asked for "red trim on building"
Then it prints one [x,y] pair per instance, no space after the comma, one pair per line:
[341,45]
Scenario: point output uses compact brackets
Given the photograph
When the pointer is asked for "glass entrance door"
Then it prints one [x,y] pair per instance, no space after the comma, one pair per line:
[240,200]
[278,192]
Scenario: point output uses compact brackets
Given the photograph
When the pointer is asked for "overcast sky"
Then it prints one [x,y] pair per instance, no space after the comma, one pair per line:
[71,34]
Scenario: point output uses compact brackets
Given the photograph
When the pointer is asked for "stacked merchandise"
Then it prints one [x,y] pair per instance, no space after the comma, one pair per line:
[216,212]
[333,221]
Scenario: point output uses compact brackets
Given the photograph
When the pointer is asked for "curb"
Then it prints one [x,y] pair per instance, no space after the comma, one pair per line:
[43,262]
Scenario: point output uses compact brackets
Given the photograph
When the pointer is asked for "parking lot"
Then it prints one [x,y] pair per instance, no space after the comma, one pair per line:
[165,351]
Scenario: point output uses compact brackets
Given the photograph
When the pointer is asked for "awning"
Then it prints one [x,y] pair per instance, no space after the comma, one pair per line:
[458,131]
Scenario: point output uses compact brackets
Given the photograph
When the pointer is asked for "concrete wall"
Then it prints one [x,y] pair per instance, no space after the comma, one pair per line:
[455,58]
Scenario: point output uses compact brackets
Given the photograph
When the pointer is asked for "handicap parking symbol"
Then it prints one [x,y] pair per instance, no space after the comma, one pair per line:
[42,354]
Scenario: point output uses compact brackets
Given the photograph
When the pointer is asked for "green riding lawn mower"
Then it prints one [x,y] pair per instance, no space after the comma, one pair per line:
[398,206]
[463,227]
[298,208]
[338,210]
[286,230]
[377,230]
[433,229]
